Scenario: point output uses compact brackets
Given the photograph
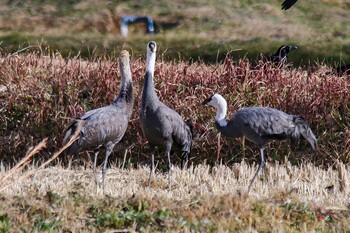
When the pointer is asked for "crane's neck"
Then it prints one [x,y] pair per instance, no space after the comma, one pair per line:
[126,93]
[150,62]
[149,95]
[226,130]
[221,114]
[220,121]
[126,96]
[126,84]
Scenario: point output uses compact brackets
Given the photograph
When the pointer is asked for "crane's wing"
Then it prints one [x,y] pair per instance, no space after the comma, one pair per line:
[180,131]
[72,126]
[93,112]
[268,122]
[107,124]
[100,126]
[288,4]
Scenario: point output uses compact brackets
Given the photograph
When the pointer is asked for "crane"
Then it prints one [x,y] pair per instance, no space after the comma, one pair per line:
[161,125]
[259,125]
[104,127]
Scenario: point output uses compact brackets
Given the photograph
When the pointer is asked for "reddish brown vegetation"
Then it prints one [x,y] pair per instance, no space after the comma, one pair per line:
[40,93]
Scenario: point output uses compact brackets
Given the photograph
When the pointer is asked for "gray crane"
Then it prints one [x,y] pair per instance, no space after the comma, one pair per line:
[259,125]
[161,125]
[104,127]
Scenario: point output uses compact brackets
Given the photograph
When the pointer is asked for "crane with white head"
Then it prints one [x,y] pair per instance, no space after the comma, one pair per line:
[259,125]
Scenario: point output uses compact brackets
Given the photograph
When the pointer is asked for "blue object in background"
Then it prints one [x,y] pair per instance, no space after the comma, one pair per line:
[134,19]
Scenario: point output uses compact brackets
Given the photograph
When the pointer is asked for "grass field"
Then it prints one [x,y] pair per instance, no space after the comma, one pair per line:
[203,199]
[305,190]
[68,66]
[43,92]
[186,30]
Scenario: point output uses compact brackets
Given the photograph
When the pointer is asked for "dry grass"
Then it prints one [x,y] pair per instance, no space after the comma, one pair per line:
[26,160]
[43,92]
[306,182]
[292,198]
[319,28]
[217,20]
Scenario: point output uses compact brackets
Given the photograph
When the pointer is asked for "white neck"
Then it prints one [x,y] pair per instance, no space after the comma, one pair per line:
[221,113]
[150,62]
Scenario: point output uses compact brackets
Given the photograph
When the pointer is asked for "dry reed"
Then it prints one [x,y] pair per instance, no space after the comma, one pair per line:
[24,162]
[42,92]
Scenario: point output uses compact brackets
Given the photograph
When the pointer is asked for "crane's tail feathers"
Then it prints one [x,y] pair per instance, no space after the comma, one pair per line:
[185,157]
[74,148]
[304,129]
[191,126]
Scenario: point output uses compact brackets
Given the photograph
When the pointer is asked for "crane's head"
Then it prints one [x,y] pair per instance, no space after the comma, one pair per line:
[215,100]
[124,57]
[124,53]
[151,47]
[220,104]
[151,56]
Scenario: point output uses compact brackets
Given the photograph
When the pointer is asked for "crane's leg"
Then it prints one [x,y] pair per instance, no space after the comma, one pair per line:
[96,151]
[188,155]
[184,157]
[108,152]
[219,148]
[243,148]
[152,165]
[168,149]
[262,165]
[293,145]
[263,170]
[124,159]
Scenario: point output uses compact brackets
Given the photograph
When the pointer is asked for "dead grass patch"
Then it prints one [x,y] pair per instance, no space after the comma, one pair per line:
[203,198]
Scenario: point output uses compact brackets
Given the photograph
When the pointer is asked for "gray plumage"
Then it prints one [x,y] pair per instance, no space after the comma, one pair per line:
[161,125]
[104,127]
[259,125]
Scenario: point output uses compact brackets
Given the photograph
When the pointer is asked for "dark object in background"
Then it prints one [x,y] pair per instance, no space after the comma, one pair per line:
[281,56]
[125,20]
[288,4]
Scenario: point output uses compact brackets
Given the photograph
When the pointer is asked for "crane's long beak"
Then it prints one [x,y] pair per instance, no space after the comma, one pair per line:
[206,101]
